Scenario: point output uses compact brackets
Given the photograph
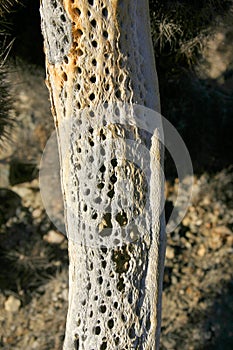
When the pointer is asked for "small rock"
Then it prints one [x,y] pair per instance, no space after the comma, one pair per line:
[187,244]
[217,236]
[170,253]
[174,280]
[53,237]
[206,201]
[36,345]
[229,241]
[186,221]
[208,225]
[169,343]
[12,304]
[215,243]
[36,213]
[34,183]
[182,318]
[199,222]
[201,251]
[22,191]
[19,331]
[193,294]
[222,231]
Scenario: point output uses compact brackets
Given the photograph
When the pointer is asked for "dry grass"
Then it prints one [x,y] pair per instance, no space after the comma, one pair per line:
[6,42]
[6,6]
[181,27]
[6,121]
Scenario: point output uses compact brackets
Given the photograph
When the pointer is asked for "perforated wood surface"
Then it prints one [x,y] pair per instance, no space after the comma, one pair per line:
[99,64]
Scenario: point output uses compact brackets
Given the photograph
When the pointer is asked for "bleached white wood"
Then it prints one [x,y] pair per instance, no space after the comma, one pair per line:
[100,64]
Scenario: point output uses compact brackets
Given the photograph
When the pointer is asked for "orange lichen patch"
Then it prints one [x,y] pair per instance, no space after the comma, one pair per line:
[61,73]
[70,61]
[74,12]
[95,22]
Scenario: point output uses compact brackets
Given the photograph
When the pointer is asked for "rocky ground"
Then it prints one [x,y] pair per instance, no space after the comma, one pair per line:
[198,286]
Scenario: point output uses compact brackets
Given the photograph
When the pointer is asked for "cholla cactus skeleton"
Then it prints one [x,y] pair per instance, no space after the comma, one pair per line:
[99,63]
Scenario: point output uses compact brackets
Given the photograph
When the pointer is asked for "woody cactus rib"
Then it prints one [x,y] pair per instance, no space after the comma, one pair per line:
[100,64]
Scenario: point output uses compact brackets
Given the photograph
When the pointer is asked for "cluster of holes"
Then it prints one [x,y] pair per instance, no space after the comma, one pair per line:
[110,323]
[57,33]
[121,217]
[133,171]
[113,177]
[94,42]
[93,79]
